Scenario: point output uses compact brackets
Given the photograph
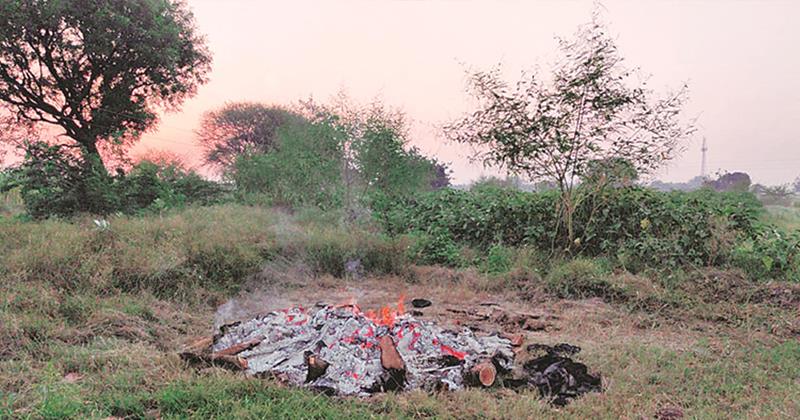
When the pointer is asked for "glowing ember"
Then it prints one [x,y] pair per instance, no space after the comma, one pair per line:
[460,355]
[343,350]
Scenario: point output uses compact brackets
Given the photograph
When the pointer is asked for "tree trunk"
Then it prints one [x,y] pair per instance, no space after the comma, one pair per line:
[92,160]
[568,208]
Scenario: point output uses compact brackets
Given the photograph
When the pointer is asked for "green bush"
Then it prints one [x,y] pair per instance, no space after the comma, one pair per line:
[639,227]
[499,260]
[769,254]
[435,247]
[52,182]
[150,186]
[305,170]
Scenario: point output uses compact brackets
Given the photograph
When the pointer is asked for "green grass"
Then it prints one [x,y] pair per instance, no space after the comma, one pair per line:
[787,218]
[91,320]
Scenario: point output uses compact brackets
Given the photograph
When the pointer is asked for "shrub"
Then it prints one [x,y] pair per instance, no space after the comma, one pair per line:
[435,247]
[769,254]
[150,186]
[499,260]
[54,183]
[639,227]
[306,170]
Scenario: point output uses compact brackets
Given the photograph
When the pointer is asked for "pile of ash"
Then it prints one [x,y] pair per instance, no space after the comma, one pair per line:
[343,351]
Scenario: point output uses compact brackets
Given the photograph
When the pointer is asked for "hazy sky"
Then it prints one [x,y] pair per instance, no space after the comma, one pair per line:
[740,58]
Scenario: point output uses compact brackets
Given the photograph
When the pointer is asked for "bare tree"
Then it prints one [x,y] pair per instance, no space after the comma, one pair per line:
[592,109]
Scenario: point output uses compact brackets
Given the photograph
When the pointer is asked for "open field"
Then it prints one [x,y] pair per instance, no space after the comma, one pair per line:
[91,321]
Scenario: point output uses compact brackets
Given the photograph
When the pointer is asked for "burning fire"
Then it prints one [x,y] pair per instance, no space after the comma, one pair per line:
[386,316]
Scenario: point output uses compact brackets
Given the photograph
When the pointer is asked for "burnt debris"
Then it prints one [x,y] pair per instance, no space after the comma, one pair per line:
[557,377]
[344,351]
[420,303]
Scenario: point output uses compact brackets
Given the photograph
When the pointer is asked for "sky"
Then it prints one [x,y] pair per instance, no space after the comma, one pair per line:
[739,58]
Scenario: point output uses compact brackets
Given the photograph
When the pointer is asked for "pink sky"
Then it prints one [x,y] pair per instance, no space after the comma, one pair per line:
[740,58]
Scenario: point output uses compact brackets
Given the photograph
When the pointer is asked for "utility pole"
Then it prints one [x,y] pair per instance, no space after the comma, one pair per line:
[704,149]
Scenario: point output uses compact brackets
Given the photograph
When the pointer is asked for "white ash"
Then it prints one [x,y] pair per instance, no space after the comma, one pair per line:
[348,341]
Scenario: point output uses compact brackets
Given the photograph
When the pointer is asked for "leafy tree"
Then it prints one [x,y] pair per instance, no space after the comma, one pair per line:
[591,109]
[378,162]
[305,170]
[240,128]
[731,181]
[57,182]
[98,69]
[384,162]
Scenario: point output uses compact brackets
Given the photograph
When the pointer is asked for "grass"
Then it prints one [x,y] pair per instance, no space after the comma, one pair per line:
[90,321]
[785,217]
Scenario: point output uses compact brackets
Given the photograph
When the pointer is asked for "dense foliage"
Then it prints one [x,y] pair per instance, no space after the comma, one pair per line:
[338,157]
[55,183]
[304,170]
[100,70]
[638,227]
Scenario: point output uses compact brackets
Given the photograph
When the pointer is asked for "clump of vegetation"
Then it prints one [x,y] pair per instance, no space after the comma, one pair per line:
[305,170]
[637,227]
[590,118]
[53,182]
[338,156]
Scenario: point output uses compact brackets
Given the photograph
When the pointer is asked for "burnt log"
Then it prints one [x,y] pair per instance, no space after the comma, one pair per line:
[393,363]
[206,359]
[484,373]
[200,345]
[316,366]
[229,362]
[390,357]
[240,347]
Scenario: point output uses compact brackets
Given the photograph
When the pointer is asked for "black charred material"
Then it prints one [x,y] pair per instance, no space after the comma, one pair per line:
[559,378]
[395,380]
[420,303]
[450,361]
[392,380]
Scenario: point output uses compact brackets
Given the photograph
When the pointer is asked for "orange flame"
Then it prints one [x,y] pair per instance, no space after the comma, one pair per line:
[386,316]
